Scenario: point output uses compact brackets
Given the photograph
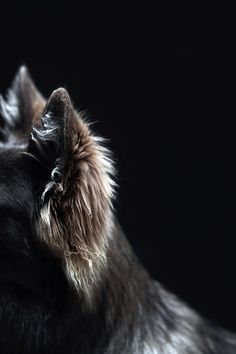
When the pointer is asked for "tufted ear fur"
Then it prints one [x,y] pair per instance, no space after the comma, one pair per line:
[75,215]
[22,105]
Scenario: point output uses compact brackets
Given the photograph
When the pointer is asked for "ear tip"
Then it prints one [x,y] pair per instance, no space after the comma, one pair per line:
[61,93]
[23,69]
[23,72]
[22,77]
[59,100]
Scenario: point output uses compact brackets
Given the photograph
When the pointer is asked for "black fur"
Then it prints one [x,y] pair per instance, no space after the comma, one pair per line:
[40,312]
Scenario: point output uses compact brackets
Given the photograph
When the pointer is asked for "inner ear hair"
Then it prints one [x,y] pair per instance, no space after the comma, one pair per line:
[22,106]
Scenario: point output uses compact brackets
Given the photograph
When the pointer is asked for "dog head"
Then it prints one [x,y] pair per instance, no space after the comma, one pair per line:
[56,190]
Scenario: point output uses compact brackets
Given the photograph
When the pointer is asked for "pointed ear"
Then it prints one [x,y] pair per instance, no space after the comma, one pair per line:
[75,214]
[52,138]
[22,105]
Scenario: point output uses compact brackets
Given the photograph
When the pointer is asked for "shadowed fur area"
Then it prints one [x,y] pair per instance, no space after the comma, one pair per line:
[69,280]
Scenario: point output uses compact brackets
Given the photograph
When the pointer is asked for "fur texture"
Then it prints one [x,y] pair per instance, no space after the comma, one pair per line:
[69,281]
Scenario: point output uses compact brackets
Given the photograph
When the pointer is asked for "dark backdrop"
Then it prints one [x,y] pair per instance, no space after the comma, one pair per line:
[156,82]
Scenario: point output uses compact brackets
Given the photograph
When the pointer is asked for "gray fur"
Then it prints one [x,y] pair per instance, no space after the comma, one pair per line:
[114,299]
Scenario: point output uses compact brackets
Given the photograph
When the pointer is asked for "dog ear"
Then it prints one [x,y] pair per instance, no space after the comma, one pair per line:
[22,106]
[76,199]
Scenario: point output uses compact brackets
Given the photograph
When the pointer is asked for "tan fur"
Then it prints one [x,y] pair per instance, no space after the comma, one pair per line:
[37,108]
[78,217]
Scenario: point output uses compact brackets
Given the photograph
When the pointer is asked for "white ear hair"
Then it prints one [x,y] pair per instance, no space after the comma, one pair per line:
[22,105]
[9,110]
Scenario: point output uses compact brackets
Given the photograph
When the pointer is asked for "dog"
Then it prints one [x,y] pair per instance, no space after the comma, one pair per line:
[69,280]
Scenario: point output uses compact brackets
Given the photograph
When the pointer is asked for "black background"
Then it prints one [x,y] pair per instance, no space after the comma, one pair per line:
[157,82]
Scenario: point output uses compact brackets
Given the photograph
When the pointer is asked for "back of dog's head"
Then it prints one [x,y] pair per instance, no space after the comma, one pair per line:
[56,191]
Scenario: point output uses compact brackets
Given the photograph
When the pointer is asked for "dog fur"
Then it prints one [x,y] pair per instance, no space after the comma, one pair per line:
[69,281]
